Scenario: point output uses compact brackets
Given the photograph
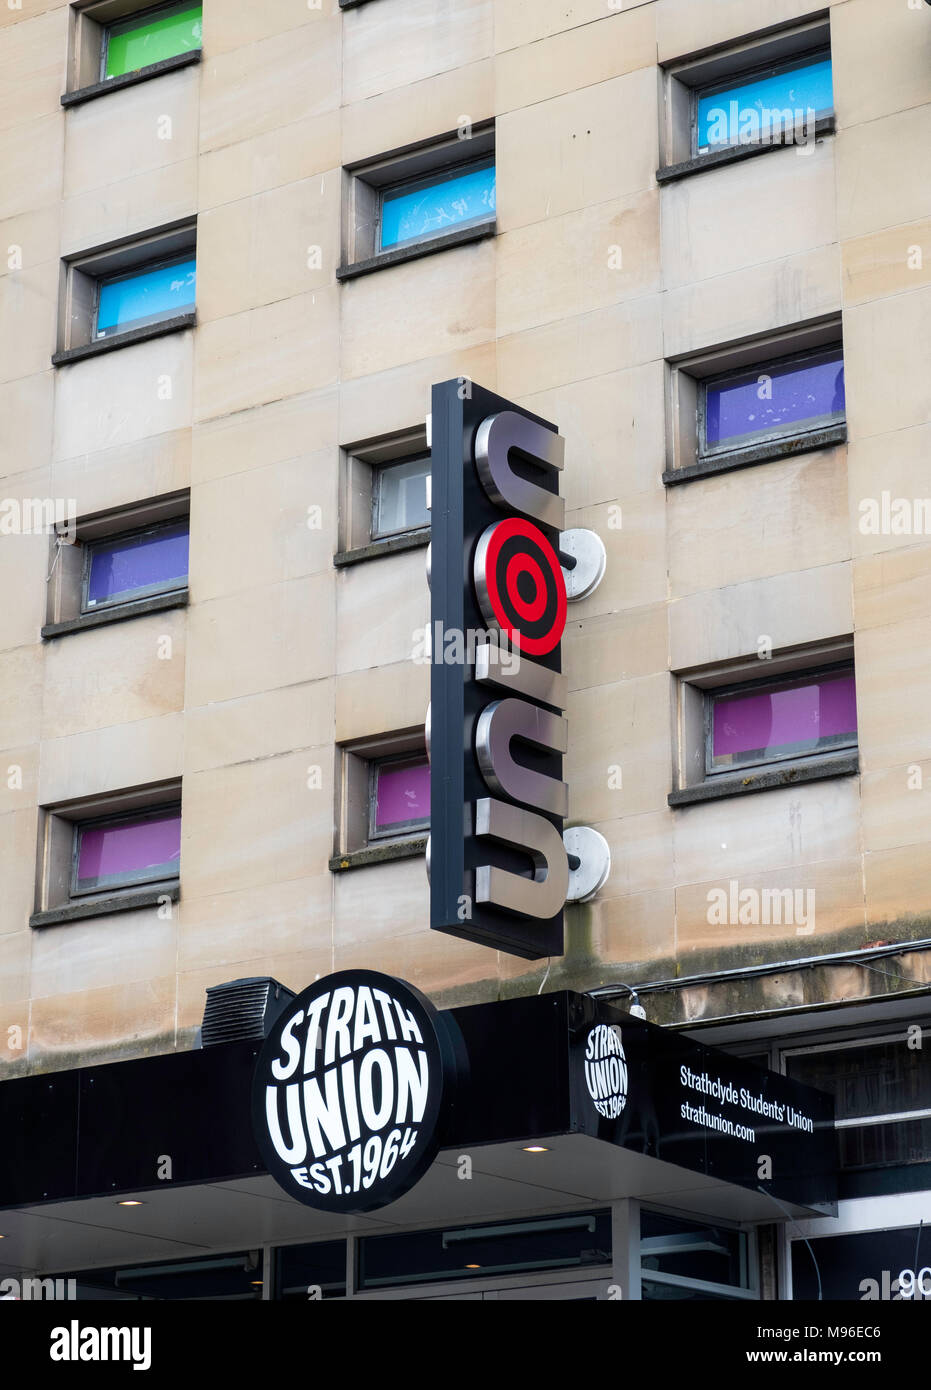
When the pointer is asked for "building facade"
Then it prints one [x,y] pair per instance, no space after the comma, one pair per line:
[238,246]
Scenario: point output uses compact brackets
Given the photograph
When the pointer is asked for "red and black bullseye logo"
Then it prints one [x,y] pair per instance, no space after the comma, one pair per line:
[520,585]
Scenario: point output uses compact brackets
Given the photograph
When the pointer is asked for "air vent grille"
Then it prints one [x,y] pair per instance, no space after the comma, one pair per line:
[242,1009]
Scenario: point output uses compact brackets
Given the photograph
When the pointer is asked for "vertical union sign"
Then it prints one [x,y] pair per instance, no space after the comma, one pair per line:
[497,731]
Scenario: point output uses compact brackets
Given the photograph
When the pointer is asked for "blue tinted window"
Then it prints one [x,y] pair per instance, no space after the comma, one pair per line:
[781,398]
[758,109]
[135,300]
[451,201]
[132,566]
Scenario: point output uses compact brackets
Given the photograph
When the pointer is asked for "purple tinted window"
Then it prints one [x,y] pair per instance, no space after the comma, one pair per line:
[804,717]
[774,400]
[137,565]
[131,851]
[402,795]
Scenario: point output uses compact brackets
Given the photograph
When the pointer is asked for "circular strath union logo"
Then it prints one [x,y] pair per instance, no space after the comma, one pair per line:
[606,1070]
[347,1092]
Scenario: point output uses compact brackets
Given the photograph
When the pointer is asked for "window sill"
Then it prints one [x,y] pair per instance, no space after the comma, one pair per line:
[757,453]
[130,79]
[156,603]
[790,774]
[389,545]
[733,154]
[127,901]
[379,854]
[401,254]
[119,340]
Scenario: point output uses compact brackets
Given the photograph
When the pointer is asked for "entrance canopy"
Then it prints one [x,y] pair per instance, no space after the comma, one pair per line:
[561,1102]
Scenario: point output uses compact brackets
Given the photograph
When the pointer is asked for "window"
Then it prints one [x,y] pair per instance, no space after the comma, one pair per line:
[120,852]
[893,1262]
[779,400]
[753,725]
[882,1097]
[742,99]
[150,562]
[400,497]
[384,496]
[117,564]
[301,1268]
[142,288]
[419,200]
[430,206]
[117,43]
[741,732]
[131,301]
[476,1252]
[881,1086]
[237,1276]
[769,105]
[686,1260]
[150,37]
[384,800]
[760,400]
[108,853]
[400,797]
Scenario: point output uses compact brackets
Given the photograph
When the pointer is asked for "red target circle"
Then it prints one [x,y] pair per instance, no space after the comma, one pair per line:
[533,609]
[506,552]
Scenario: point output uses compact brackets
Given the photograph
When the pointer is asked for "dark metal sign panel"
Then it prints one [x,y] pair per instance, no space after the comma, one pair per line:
[659,1093]
[514,1070]
[498,867]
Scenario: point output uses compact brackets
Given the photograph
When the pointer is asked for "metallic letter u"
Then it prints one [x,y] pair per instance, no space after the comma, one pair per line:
[498,724]
[541,896]
[497,436]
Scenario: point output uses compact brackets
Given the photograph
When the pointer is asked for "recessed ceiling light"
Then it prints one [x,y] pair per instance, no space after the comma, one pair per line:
[130,1204]
[473,1266]
[535,1149]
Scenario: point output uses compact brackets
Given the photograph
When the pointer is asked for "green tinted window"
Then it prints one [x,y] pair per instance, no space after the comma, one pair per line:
[165,33]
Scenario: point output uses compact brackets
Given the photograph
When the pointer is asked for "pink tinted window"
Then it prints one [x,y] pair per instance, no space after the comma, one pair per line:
[402,795]
[131,851]
[804,717]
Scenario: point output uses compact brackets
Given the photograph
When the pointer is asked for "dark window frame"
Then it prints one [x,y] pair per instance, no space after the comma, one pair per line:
[880,1037]
[123,1277]
[464,1234]
[748,1287]
[281,1293]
